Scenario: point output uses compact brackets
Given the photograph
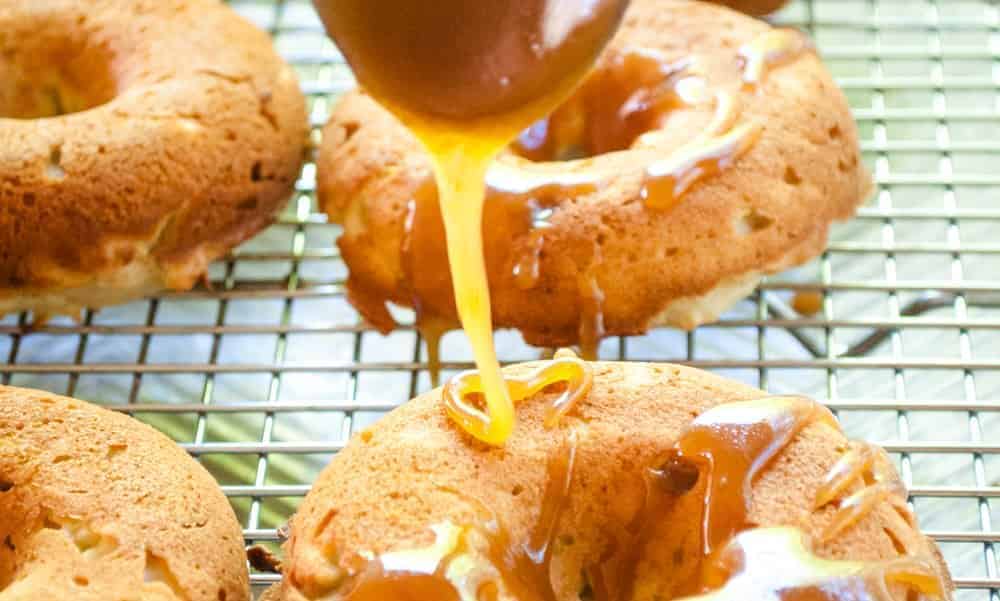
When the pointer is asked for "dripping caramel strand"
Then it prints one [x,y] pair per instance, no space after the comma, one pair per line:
[731,444]
[566,367]
[863,464]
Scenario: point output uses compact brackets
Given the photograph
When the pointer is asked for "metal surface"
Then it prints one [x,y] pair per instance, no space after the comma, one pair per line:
[267,374]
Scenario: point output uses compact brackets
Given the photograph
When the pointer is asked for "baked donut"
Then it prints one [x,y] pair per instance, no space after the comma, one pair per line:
[754,7]
[141,140]
[721,151]
[657,484]
[96,506]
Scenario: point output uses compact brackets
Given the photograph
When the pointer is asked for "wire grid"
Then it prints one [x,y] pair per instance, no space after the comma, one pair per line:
[265,376]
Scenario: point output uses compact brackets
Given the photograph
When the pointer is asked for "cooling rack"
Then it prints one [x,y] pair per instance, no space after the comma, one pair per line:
[264,376]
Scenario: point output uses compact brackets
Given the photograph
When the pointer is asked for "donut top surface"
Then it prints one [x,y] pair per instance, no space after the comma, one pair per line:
[96,506]
[758,499]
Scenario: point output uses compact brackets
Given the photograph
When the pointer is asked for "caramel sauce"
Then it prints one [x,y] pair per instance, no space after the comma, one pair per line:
[725,448]
[731,444]
[564,368]
[525,567]
[807,303]
[776,564]
[445,570]
[867,465]
[770,50]
[419,575]
[467,78]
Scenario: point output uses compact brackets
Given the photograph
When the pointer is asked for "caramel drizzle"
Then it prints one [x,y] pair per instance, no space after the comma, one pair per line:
[526,191]
[566,367]
[776,564]
[868,465]
[525,567]
[729,445]
[447,570]
[715,150]
[772,49]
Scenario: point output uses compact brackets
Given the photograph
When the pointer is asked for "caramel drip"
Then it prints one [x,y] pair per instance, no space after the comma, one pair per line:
[591,329]
[776,564]
[419,575]
[446,571]
[731,444]
[726,447]
[432,330]
[708,155]
[577,375]
[519,204]
[622,105]
[626,96]
[770,50]
[503,68]
[867,465]
[525,567]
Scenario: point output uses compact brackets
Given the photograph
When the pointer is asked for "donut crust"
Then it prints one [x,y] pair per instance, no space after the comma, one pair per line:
[96,506]
[187,139]
[683,267]
[415,468]
[754,7]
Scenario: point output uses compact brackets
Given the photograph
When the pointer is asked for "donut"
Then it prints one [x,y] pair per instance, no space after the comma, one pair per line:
[141,140]
[661,482]
[754,7]
[721,151]
[96,506]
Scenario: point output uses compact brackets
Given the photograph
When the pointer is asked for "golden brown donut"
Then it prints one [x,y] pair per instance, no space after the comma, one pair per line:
[141,140]
[605,262]
[754,7]
[415,469]
[96,506]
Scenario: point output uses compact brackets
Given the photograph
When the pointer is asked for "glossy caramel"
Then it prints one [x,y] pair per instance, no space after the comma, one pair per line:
[776,564]
[717,457]
[731,444]
[445,570]
[567,368]
[621,105]
[867,469]
[466,78]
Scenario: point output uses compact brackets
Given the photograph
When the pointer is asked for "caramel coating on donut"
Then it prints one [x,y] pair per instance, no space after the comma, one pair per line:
[95,506]
[190,142]
[415,468]
[768,210]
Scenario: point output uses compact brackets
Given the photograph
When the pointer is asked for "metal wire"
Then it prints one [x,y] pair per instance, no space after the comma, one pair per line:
[265,375]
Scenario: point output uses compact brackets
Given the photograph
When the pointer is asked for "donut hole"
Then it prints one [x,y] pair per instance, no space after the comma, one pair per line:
[629,95]
[45,74]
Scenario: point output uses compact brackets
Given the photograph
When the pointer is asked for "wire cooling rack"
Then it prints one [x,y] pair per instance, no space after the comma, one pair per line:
[265,376]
